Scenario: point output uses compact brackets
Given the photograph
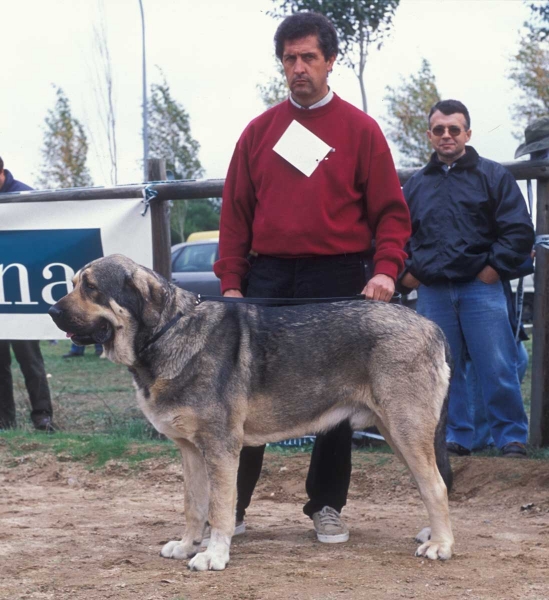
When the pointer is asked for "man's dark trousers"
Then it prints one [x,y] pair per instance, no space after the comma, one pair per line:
[30,360]
[319,277]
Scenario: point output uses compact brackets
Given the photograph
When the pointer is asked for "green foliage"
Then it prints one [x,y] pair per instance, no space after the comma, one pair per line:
[65,149]
[408,105]
[529,71]
[170,138]
[170,134]
[203,215]
[540,19]
[360,24]
[275,90]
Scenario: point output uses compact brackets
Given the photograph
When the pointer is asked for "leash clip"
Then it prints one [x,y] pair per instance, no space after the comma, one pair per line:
[148,194]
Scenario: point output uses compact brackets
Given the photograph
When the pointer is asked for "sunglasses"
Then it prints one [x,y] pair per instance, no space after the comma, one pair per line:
[453,130]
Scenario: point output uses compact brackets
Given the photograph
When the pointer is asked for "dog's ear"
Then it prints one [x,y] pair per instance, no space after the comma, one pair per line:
[152,295]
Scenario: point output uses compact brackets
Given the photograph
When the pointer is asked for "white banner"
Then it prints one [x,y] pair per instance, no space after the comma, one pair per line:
[42,246]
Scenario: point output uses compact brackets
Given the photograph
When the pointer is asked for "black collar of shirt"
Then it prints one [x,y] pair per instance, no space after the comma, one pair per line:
[468,161]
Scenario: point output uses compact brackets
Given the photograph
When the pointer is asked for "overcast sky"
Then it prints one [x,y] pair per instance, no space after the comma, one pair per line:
[214,53]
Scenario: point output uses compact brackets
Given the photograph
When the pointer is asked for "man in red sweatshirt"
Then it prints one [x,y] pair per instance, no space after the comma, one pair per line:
[287,232]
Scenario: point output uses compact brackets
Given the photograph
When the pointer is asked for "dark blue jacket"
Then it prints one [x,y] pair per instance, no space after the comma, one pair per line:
[465,218]
[12,185]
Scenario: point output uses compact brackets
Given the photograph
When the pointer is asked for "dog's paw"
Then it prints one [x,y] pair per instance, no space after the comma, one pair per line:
[435,550]
[423,536]
[208,561]
[178,550]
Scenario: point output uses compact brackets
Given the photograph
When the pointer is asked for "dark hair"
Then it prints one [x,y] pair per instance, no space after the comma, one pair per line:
[303,24]
[451,107]
[1,164]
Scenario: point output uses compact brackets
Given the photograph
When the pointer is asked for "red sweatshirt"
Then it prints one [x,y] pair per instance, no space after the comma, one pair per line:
[354,196]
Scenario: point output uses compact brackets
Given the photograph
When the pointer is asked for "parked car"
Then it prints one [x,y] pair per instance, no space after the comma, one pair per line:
[527,308]
[192,266]
[199,236]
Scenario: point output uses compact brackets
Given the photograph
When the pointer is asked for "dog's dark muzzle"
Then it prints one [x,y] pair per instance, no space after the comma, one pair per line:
[100,334]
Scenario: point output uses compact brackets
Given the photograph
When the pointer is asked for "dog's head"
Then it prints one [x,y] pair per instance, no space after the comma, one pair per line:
[113,298]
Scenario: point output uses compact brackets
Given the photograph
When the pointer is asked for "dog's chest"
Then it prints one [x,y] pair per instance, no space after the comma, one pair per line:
[179,422]
[146,403]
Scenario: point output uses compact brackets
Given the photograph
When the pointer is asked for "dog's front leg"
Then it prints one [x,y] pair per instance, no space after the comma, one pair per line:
[196,503]
[222,469]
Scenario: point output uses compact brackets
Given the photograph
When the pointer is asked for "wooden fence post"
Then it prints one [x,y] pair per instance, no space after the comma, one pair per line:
[160,222]
[539,410]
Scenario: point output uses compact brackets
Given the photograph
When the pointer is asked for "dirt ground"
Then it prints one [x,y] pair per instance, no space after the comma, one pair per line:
[70,533]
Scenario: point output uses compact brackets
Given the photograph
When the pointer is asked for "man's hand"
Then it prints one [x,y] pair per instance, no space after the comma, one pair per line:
[488,275]
[410,281]
[380,287]
[233,294]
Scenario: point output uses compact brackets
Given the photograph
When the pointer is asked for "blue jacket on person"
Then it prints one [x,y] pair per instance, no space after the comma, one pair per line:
[465,217]
[12,185]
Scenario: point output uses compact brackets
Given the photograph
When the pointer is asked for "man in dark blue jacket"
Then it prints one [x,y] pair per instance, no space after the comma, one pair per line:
[470,230]
[28,356]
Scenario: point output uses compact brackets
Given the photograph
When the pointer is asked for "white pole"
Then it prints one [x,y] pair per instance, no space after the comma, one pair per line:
[145,115]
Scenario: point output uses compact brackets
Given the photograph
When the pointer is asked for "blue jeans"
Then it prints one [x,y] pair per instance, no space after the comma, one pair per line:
[475,319]
[483,436]
[79,350]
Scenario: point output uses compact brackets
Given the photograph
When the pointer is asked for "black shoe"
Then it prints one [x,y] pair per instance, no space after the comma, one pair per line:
[514,450]
[457,449]
[72,355]
[45,423]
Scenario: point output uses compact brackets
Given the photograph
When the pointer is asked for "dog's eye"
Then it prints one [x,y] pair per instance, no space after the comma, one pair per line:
[90,286]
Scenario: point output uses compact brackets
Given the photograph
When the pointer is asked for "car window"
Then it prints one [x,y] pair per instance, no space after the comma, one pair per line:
[198,257]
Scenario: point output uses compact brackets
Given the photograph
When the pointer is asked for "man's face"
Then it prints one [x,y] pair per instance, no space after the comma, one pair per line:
[2,178]
[306,69]
[448,146]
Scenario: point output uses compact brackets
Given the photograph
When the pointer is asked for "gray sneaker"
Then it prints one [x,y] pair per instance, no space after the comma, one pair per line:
[239,529]
[329,527]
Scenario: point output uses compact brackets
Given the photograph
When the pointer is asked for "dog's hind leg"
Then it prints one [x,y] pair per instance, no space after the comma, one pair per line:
[196,503]
[222,470]
[425,534]
[416,448]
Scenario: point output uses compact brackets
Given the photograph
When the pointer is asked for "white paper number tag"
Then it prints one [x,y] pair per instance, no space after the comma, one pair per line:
[301,148]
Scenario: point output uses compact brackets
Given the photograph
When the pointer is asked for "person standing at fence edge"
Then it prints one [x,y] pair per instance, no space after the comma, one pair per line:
[28,355]
[470,230]
[285,234]
[78,351]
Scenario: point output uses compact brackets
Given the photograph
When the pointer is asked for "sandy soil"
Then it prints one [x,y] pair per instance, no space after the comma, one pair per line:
[68,533]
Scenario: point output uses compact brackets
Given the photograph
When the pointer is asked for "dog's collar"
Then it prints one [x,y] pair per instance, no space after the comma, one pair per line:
[160,333]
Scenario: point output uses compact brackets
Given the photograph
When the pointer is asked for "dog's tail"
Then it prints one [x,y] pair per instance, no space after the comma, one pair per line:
[441,452]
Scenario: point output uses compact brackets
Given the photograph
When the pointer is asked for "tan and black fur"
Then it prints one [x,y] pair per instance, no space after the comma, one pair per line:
[227,375]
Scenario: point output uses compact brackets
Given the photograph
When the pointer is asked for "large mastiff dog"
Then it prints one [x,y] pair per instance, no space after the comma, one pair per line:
[216,376]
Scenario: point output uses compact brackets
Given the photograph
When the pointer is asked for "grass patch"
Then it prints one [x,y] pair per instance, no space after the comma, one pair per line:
[131,446]
[96,411]
[89,394]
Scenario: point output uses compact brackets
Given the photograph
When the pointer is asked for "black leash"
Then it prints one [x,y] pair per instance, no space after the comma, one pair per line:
[262,301]
[276,301]
[160,333]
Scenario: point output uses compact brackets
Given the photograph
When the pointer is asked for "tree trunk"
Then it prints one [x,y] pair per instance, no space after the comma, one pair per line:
[363,53]
[363,93]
